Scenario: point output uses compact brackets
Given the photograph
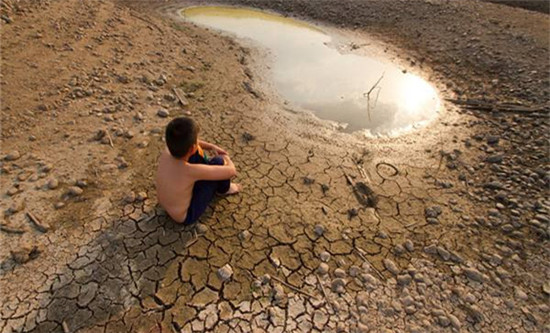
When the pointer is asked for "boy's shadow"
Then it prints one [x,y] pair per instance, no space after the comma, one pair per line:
[120,268]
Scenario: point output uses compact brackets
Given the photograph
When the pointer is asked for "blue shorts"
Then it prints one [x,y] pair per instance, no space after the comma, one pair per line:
[204,190]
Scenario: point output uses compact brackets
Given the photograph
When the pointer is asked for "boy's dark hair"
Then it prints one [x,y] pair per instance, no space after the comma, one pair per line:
[181,135]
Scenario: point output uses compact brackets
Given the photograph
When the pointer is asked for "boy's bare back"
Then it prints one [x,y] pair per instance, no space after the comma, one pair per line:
[174,186]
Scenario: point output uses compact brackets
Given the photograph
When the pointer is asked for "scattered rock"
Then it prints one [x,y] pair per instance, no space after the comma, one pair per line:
[324,256]
[338,285]
[473,274]
[225,272]
[163,113]
[409,245]
[339,273]
[141,196]
[130,197]
[244,235]
[322,269]
[201,228]
[319,230]
[12,156]
[74,191]
[494,158]
[391,266]
[53,183]
[25,253]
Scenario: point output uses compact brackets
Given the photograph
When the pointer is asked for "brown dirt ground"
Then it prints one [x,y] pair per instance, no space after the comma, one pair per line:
[112,262]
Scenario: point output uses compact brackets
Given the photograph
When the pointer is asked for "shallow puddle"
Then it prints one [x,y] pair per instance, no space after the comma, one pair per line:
[314,76]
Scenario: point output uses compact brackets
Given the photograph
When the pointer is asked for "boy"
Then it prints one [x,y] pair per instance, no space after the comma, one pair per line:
[186,179]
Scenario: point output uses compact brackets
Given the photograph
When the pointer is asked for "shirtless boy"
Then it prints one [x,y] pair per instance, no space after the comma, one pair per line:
[187,179]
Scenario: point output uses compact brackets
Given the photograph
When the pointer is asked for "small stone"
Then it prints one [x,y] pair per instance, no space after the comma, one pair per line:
[53,184]
[130,197]
[225,272]
[324,256]
[201,228]
[75,191]
[339,273]
[454,321]
[322,269]
[12,156]
[391,266]
[141,196]
[354,271]
[409,245]
[25,253]
[266,278]
[473,274]
[494,158]
[12,191]
[59,205]
[275,261]
[520,294]
[319,230]
[404,279]
[338,288]
[163,113]
[546,287]
[432,220]
[244,235]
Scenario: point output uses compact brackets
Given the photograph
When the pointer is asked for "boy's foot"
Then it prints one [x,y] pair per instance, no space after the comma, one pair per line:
[234,188]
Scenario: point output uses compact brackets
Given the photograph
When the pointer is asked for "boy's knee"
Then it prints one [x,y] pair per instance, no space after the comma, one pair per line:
[217,160]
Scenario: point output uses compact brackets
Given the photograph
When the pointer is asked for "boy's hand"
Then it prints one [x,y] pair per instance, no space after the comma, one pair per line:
[219,151]
[226,159]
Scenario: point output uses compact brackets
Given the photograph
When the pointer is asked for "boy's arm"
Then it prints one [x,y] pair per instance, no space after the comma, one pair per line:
[213,172]
[210,146]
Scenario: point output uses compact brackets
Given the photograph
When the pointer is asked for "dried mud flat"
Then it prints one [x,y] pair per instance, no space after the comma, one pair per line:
[451,237]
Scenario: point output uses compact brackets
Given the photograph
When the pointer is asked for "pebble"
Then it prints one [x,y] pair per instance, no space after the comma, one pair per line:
[339,273]
[354,271]
[319,230]
[322,269]
[494,158]
[225,272]
[520,294]
[454,321]
[409,245]
[141,196]
[324,256]
[12,156]
[75,191]
[391,266]
[59,205]
[244,235]
[201,228]
[163,113]
[130,197]
[338,285]
[53,184]
[473,274]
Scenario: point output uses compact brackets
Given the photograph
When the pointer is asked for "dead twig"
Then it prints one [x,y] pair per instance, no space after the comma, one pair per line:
[362,256]
[110,139]
[36,222]
[324,292]
[296,289]
[367,94]
[498,107]
[180,95]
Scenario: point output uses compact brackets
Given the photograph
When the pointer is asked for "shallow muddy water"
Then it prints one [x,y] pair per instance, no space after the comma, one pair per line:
[315,76]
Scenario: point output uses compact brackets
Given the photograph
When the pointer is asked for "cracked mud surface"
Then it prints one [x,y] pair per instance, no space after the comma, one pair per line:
[454,239]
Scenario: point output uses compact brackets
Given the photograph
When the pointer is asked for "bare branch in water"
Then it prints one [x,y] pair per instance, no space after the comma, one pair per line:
[370,91]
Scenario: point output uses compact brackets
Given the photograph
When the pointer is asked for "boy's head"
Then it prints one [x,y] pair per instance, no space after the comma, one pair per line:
[181,135]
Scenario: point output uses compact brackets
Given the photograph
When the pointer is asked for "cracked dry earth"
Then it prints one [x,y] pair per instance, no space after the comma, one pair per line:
[436,231]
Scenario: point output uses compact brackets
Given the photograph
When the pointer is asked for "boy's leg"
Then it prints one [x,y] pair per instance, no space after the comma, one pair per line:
[203,192]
